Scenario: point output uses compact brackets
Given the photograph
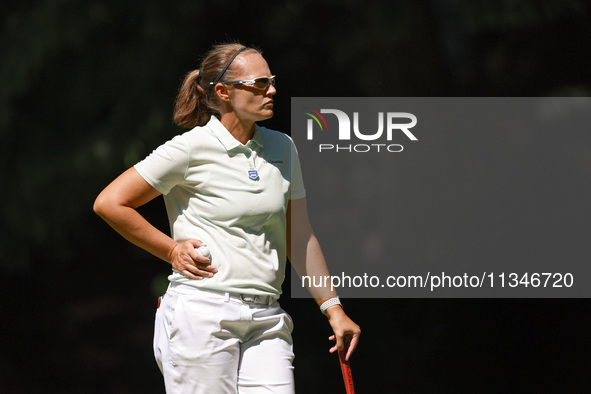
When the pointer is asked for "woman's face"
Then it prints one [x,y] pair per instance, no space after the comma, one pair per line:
[248,102]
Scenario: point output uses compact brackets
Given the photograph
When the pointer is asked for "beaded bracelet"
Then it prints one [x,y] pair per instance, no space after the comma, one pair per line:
[328,303]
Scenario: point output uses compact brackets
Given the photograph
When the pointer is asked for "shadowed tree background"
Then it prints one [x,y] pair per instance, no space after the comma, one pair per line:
[87,90]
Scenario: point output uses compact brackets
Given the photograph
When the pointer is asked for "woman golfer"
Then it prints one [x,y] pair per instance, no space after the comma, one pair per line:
[237,188]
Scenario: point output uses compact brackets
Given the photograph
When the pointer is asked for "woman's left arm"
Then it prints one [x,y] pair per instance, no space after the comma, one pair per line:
[305,254]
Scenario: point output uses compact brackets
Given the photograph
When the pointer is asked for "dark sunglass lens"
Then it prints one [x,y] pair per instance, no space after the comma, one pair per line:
[261,83]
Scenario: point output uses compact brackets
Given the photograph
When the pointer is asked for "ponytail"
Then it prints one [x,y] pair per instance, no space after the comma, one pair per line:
[191,108]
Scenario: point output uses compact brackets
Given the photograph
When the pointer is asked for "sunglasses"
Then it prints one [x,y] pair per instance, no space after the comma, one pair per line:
[257,83]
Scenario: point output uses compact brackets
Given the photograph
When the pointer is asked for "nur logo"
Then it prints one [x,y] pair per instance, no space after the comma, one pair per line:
[394,122]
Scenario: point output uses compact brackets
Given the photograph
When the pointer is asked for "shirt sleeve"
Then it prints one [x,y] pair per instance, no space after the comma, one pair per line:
[166,166]
[297,181]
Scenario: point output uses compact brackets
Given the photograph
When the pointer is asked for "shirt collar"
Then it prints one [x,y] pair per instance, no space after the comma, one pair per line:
[227,139]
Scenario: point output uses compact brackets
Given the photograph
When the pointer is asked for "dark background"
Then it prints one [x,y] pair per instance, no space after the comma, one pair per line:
[87,89]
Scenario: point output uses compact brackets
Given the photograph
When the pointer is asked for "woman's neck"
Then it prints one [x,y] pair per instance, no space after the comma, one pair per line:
[242,131]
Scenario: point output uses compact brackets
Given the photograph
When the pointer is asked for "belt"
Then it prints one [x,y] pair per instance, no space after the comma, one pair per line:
[254,299]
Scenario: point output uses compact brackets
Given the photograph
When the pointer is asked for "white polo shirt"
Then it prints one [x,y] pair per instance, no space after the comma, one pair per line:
[231,196]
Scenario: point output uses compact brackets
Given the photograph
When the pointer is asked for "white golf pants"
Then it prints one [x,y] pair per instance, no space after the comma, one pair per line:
[216,344]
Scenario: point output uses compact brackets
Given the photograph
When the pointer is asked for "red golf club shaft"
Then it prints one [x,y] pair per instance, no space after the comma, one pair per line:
[346,369]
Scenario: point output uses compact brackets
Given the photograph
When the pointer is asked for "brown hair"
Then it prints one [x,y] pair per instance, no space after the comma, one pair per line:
[196,101]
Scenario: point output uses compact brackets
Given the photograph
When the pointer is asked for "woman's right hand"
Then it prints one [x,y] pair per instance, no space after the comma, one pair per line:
[188,261]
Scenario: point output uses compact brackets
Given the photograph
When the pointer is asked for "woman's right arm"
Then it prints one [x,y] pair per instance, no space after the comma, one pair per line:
[117,204]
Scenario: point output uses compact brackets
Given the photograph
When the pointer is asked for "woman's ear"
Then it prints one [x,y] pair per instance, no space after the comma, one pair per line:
[222,91]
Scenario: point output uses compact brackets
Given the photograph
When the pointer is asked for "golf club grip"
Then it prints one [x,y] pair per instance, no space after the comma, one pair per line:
[347,375]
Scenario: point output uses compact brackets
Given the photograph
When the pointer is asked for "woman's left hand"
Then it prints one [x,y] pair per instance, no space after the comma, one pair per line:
[346,332]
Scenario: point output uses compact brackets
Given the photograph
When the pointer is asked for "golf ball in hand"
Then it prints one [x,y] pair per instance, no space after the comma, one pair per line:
[204,250]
